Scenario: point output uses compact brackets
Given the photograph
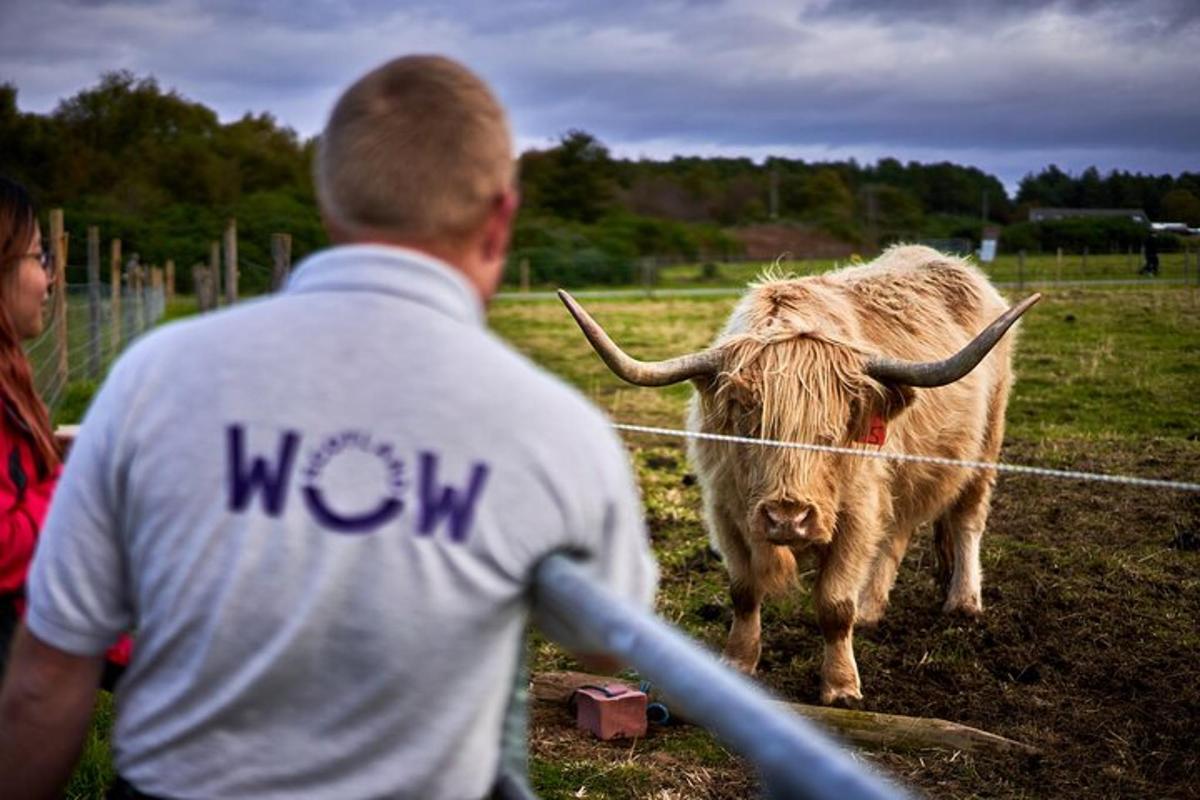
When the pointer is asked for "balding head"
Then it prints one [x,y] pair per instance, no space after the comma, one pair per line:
[417,150]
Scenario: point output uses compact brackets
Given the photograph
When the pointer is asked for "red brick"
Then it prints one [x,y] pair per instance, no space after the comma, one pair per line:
[619,714]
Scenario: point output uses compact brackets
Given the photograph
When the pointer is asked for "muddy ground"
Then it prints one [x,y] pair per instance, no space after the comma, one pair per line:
[1089,647]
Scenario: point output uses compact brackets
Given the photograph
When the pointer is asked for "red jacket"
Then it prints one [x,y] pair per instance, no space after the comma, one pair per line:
[26,487]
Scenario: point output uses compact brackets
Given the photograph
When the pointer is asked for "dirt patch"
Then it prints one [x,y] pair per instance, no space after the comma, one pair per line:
[1089,647]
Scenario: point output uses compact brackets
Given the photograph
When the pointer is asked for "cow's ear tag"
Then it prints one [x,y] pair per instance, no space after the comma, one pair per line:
[876,431]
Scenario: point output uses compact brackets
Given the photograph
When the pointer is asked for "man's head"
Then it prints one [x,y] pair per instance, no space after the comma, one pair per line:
[418,153]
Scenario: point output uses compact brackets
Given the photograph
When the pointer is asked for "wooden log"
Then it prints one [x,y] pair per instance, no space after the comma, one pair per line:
[170,280]
[863,728]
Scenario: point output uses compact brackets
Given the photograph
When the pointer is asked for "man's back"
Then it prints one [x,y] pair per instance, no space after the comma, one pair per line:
[327,505]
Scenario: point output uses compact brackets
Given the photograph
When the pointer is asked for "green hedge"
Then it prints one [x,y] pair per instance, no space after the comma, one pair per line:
[1097,234]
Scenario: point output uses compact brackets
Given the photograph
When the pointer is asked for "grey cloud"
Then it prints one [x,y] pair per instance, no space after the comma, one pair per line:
[1166,13]
[983,82]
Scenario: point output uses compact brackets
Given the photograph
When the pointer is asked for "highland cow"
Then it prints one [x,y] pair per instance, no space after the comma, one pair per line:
[841,359]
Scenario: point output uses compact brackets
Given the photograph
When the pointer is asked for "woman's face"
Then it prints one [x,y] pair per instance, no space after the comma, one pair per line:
[27,291]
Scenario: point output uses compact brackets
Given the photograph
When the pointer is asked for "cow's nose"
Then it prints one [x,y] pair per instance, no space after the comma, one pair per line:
[787,520]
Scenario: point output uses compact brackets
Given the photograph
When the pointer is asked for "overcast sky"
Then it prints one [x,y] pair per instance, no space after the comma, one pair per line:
[1006,85]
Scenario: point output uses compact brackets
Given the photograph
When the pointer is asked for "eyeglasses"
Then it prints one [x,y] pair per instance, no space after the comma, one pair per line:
[46,259]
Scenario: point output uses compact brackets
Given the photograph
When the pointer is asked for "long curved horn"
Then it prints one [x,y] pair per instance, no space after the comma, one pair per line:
[928,374]
[640,373]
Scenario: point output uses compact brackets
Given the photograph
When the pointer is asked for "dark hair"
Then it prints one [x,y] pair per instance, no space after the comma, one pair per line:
[18,221]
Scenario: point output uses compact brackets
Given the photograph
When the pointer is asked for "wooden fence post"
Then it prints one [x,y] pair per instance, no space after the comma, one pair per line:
[58,238]
[144,297]
[281,259]
[93,273]
[649,274]
[214,268]
[115,290]
[1058,265]
[231,263]
[157,289]
[200,287]
[133,311]
[170,287]
[524,274]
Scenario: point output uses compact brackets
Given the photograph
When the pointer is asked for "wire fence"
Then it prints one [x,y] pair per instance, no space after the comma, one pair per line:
[657,292]
[864,452]
[96,330]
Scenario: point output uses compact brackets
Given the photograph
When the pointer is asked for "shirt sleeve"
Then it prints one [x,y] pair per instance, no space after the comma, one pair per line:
[78,595]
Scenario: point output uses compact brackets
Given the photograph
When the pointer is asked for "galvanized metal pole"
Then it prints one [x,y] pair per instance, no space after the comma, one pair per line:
[794,758]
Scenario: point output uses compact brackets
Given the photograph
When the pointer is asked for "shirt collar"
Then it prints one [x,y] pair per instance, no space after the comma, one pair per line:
[388,269]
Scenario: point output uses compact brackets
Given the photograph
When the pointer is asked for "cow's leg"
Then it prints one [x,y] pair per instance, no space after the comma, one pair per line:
[842,572]
[873,599]
[743,648]
[744,645]
[958,532]
[957,535]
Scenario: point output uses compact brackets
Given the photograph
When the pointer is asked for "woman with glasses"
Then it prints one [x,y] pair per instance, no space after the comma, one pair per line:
[29,457]
[30,460]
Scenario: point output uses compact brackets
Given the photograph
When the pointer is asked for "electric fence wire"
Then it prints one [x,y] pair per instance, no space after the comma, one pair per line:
[1044,472]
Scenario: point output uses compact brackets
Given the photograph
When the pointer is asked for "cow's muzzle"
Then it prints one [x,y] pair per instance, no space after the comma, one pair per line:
[787,522]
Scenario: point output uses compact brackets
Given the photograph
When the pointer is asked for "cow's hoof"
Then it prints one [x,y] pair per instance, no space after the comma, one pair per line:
[968,608]
[848,697]
[747,668]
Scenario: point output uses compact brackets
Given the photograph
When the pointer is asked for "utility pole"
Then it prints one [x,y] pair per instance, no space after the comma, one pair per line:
[774,192]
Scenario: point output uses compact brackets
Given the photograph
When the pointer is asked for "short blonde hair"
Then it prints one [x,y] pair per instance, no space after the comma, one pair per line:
[418,149]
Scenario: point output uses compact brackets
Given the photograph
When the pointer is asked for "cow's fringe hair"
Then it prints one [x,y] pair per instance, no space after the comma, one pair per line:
[768,367]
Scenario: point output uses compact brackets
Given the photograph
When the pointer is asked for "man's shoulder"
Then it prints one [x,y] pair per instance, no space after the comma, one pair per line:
[539,398]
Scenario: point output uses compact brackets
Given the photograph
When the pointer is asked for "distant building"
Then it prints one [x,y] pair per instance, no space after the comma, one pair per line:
[1180,228]
[1049,214]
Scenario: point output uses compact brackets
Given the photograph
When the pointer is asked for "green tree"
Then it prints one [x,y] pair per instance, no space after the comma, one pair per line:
[573,181]
[1180,205]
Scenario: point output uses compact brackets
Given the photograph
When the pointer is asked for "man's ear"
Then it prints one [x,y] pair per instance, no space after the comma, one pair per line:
[498,227]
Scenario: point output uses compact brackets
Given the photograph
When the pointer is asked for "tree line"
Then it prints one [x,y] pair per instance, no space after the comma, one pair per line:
[163,173]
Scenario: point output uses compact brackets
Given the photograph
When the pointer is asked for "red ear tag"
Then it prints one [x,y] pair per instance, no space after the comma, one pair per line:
[876,431]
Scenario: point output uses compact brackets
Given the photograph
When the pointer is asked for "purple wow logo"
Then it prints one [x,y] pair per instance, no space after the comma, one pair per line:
[269,477]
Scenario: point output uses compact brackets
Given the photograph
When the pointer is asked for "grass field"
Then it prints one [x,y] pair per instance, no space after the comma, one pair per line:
[1089,645]
[1033,268]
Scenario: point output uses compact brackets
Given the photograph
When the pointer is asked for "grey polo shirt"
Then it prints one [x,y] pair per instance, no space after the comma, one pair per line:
[320,512]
